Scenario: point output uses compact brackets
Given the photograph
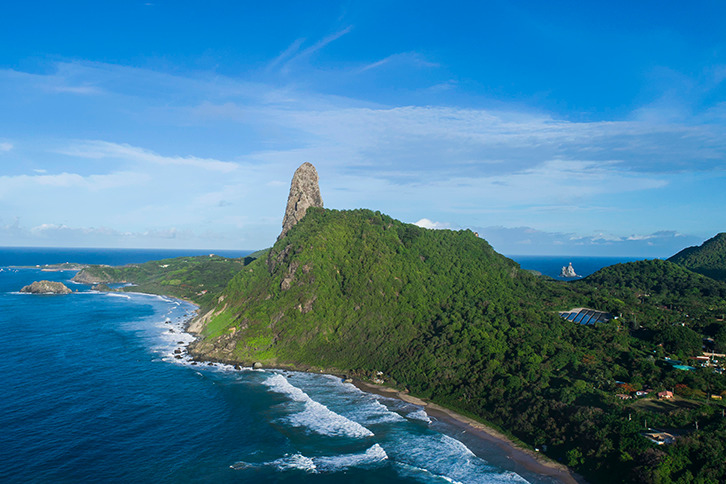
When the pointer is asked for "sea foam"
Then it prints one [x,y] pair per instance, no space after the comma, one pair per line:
[315,416]
[342,462]
[334,463]
[419,414]
[443,457]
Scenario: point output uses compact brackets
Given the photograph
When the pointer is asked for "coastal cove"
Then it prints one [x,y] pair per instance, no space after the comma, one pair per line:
[97,393]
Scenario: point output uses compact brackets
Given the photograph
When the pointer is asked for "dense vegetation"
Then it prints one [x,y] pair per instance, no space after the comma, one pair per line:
[444,316]
[708,259]
[441,314]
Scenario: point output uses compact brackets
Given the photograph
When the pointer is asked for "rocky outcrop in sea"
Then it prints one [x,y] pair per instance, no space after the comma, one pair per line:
[568,271]
[46,287]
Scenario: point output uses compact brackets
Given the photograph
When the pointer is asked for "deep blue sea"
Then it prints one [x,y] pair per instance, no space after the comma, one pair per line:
[552,265]
[91,392]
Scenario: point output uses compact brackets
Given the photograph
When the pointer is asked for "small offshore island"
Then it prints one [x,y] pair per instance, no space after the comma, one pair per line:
[46,287]
[438,317]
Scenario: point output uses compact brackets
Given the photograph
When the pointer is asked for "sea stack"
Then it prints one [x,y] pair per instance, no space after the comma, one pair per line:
[568,271]
[304,193]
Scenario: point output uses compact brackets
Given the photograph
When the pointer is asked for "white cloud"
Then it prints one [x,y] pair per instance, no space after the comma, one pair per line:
[293,53]
[325,41]
[291,50]
[23,185]
[526,240]
[104,149]
[428,224]
[82,90]
[5,146]
[410,58]
[468,166]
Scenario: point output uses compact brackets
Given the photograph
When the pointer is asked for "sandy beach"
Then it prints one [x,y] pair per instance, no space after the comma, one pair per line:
[527,459]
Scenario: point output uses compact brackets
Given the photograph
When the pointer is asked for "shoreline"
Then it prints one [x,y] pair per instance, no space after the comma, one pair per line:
[529,460]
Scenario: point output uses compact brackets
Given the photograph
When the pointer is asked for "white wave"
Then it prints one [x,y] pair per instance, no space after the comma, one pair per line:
[370,411]
[316,417]
[285,463]
[419,473]
[342,462]
[445,458]
[295,461]
[112,294]
[456,446]
[347,400]
[419,414]
[314,465]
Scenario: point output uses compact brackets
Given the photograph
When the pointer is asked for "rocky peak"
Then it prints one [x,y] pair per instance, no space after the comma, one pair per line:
[304,193]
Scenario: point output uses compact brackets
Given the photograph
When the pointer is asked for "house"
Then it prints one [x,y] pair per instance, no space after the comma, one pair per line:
[667,394]
[623,396]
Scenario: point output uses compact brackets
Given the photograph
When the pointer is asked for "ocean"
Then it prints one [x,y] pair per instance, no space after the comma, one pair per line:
[92,391]
[552,265]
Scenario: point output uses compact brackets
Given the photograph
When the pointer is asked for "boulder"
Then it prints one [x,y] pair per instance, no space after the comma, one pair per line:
[46,287]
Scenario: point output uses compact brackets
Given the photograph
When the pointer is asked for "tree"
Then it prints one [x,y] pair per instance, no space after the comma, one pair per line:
[720,339]
[681,339]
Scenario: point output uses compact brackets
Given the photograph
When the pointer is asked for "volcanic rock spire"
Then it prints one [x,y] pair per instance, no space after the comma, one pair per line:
[304,193]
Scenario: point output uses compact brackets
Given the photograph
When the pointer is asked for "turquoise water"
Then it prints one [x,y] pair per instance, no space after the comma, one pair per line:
[92,392]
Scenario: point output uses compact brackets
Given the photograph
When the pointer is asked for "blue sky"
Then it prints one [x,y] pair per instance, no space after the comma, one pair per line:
[548,127]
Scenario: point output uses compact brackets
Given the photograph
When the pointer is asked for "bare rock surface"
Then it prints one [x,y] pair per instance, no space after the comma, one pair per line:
[304,193]
[46,287]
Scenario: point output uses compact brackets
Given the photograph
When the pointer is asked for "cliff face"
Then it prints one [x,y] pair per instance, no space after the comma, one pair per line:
[304,193]
[46,287]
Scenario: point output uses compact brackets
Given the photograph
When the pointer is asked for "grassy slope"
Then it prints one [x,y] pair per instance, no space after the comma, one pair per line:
[200,279]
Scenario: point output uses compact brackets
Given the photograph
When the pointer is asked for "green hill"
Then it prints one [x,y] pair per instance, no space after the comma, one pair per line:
[708,259]
[200,279]
[358,289]
[441,314]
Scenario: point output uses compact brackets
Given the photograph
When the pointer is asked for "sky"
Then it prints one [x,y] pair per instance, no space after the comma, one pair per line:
[550,128]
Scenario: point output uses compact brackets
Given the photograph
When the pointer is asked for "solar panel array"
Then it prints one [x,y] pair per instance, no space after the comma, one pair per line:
[586,316]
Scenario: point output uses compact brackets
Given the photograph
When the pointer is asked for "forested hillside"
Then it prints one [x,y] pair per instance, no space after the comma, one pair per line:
[708,259]
[441,314]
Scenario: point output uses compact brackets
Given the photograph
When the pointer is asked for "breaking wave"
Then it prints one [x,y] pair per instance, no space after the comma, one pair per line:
[335,463]
[315,416]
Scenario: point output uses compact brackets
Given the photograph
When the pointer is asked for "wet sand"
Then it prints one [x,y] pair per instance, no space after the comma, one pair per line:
[531,461]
